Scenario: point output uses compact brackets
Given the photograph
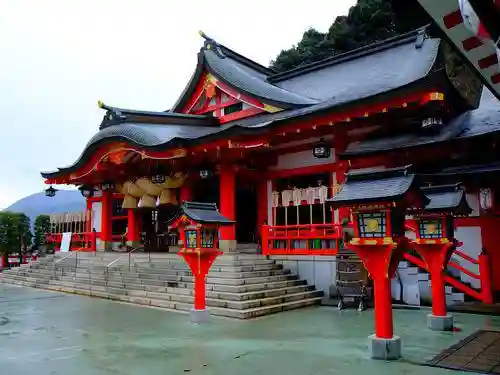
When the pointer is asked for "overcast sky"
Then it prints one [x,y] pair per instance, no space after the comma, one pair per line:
[59,57]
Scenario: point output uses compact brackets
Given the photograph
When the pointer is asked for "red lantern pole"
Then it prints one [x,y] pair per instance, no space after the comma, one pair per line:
[381,261]
[200,261]
[436,256]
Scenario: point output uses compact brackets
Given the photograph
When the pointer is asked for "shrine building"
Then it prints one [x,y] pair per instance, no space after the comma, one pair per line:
[272,148]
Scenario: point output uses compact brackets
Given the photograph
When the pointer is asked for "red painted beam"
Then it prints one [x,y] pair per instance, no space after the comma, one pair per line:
[453,19]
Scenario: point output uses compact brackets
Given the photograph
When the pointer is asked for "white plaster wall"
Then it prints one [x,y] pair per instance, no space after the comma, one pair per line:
[319,271]
[471,238]
[301,159]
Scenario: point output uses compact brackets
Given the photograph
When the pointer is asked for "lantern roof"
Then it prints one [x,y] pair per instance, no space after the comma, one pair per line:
[447,198]
[203,213]
[377,186]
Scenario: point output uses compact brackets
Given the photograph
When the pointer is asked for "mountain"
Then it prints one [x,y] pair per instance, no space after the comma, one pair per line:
[37,204]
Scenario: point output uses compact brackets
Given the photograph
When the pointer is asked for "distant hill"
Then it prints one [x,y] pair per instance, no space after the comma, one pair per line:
[37,204]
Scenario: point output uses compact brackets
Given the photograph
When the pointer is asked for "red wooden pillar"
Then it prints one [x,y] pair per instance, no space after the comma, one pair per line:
[88,224]
[486,281]
[261,205]
[132,227]
[186,193]
[106,211]
[436,256]
[227,207]
[344,212]
[340,143]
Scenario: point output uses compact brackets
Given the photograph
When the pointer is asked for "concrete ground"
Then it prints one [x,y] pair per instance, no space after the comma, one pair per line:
[47,333]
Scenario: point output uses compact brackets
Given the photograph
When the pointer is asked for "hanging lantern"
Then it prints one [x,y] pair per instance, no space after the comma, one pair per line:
[158,178]
[87,191]
[105,186]
[321,149]
[431,122]
[50,192]
[485,199]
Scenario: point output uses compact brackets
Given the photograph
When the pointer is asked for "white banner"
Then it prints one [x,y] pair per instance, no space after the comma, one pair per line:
[65,242]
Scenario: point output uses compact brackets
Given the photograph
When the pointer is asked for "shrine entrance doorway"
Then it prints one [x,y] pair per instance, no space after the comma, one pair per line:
[206,190]
[155,233]
[246,211]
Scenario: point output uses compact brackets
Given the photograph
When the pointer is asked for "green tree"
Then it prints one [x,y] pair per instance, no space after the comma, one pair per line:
[25,231]
[41,229]
[10,234]
[367,22]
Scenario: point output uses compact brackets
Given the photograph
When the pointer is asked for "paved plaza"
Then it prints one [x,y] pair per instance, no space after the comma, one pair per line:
[48,333]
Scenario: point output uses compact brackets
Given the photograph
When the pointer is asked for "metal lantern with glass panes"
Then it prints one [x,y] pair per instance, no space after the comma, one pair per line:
[86,191]
[50,192]
[435,221]
[106,186]
[322,149]
[198,225]
[378,201]
[158,178]
[204,173]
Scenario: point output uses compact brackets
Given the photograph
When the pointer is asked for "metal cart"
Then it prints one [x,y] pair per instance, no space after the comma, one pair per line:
[352,280]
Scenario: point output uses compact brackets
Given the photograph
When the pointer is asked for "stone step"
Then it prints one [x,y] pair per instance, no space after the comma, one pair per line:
[187,306]
[230,291]
[159,280]
[165,268]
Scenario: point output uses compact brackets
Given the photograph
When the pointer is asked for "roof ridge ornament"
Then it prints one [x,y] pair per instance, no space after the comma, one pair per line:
[211,44]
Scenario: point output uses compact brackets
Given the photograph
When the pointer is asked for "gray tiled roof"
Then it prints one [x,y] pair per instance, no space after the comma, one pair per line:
[151,135]
[142,135]
[362,187]
[448,198]
[368,75]
[204,213]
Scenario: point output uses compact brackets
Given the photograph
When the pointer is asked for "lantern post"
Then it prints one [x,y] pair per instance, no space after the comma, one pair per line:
[198,226]
[378,201]
[435,243]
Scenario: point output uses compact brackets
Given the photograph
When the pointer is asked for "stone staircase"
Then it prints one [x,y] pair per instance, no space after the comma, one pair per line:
[239,286]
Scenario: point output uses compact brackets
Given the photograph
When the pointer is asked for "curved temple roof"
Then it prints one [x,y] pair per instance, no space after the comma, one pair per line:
[352,78]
